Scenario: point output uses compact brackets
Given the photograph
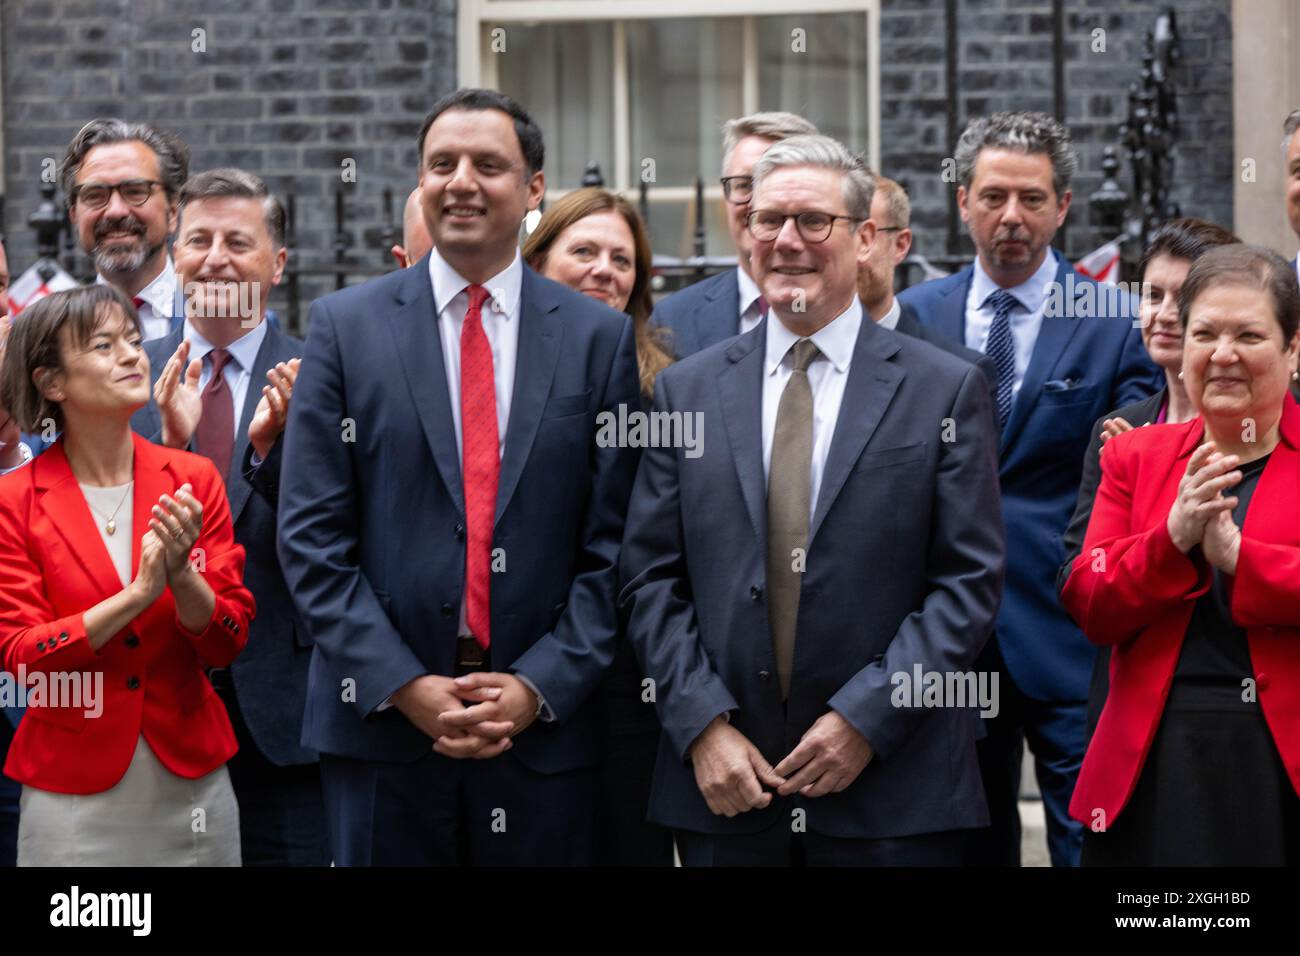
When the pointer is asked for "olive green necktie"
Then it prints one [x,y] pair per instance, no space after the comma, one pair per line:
[789,497]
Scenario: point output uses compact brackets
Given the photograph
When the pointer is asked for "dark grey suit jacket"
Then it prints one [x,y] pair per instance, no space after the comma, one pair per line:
[904,567]
[270,675]
[909,324]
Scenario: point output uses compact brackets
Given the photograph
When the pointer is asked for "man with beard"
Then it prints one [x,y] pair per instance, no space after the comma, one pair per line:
[1063,360]
[121,181]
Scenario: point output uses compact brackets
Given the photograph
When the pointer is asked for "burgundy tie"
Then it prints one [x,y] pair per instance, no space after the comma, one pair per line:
[480,463]
[762,307]
[137,301]
[215,435]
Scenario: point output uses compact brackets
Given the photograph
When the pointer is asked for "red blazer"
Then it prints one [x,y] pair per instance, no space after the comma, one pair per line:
[1140,600]
[54,567]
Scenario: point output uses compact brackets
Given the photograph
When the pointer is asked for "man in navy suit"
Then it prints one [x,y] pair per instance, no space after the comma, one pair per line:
[892,213]
[1291,129]
[221,384]
[450,525]
[729,303]
[790,583]
[121,181]
[1064,357]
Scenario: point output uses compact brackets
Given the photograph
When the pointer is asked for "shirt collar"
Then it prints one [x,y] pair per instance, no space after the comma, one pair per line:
[243,350]
[1031,294]
[890,319]
[836,341]
[503,287]
[749,291]
[160,294]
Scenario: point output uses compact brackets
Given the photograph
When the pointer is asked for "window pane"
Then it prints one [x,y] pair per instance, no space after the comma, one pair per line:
[562,74]
[684,81]
[816,66]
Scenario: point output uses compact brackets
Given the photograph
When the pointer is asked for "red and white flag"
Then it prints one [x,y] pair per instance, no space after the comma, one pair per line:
[1102,263]
[31,285]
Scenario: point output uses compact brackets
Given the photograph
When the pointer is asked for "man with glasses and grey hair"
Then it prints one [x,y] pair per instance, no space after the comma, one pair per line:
[1064,358]
[121,181]
[837,538]
[729,303]
[1291,129]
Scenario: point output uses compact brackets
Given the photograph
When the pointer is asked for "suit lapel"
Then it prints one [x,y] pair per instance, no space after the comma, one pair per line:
[950,312]
[70,515]
[873,380]
[1270,515]
[741,388]
[1053,337]
[238,490]
[414,326]
[540,332]
[721,320]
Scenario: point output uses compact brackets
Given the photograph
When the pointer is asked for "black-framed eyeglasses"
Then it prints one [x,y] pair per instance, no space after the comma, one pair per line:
[766,224]
[134,192]
[890,228]
[738,189]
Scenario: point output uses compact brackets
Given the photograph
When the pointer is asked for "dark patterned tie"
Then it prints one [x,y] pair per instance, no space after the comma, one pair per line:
[1001,348]
[214,437]
[789,499]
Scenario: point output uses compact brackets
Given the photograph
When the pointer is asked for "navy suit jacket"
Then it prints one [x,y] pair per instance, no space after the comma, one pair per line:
[270,675]
[1080,369]
[904,567]
[701,314]
[372,513]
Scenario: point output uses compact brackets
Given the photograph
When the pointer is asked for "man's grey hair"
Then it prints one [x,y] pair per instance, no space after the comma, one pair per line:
[825,153]
[897,204]
[229,181]
[1025,132]
[775,126]
[1289,126]
[173,155]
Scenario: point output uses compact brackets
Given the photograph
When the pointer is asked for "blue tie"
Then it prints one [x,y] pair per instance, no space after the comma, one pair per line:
[1001,348]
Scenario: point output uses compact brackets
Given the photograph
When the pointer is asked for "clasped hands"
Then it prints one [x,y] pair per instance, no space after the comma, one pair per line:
[731,773]
[174,527]
[473,716]
[1202,514]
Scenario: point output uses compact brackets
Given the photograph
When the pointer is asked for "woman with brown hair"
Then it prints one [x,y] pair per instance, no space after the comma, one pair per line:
[593,240]
[120,575]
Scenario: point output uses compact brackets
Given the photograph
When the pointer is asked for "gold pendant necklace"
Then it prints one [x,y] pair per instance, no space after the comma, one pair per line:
[111,525]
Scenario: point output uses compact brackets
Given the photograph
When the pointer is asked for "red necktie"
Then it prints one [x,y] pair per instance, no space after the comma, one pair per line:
[137,301]
[215,435]
[480,463]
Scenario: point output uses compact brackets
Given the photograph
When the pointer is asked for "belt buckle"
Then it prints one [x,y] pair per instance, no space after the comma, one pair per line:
[469,653]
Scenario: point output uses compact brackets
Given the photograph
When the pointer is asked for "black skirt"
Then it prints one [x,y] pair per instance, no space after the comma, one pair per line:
[1213,791]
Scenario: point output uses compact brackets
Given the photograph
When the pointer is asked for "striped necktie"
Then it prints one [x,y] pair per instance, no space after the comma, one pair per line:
[1001,348]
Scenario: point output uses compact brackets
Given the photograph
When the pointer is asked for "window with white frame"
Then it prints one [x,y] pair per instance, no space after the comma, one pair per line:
[642,87]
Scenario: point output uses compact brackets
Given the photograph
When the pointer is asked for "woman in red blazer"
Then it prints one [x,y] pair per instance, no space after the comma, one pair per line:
[1190,571]
[120,582]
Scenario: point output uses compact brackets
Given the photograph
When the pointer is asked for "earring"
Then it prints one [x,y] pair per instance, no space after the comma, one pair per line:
[1295,376]
[1180,375]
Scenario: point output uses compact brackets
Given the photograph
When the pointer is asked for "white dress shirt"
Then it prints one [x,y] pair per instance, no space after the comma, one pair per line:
[238,372]
[890,320]
[159,304]
[750,314]
[500,325]
[1025,320]
[827,376]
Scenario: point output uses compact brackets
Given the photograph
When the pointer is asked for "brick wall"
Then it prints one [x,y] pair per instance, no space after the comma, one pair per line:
[1004,61]
[290,88]
[286,88]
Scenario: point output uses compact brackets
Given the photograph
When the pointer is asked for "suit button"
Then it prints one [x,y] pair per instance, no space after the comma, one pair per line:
[235,628]
[40,645]
[764,676]
[448,610]
[63,637]
[132,683]
[132,641]
[755,593]
[460,532]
